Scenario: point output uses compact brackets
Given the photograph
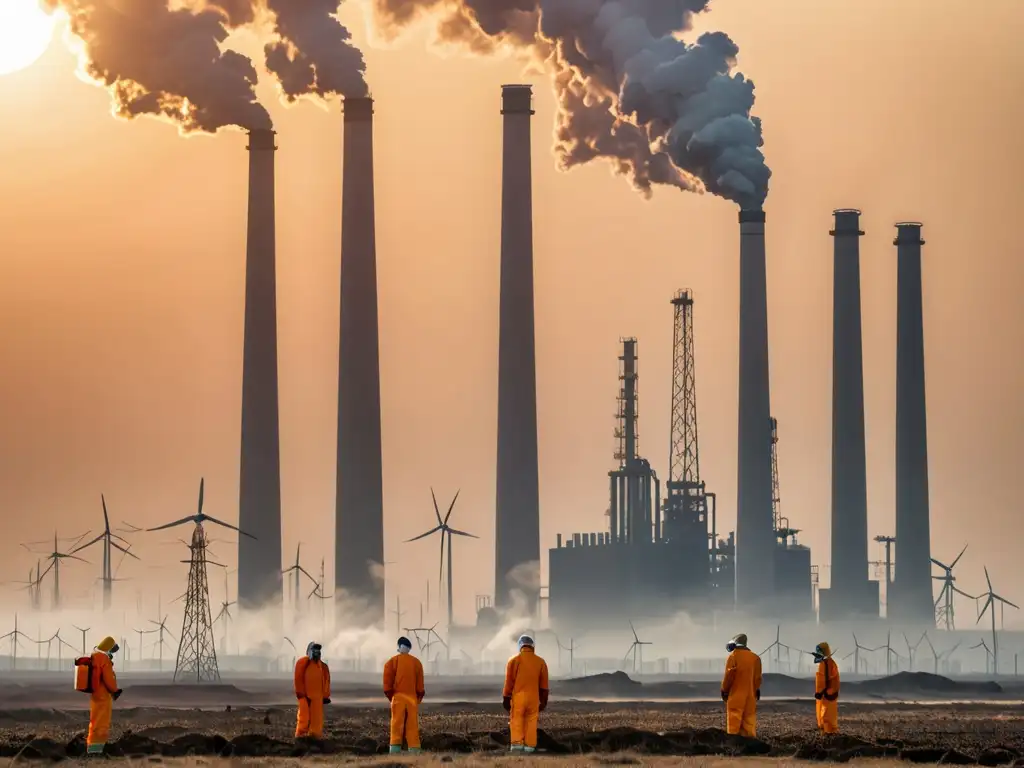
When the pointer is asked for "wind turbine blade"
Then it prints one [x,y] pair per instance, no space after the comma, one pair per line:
[452,506]
[455,532]
[229,525]
[988,579]
[941,565]
[424,535]
[958,557]
[115,545]
[635,637]
[984,608]
[440,566]
[202,483]
[961,592]
[189,519]
[437,511]
[1007,602]
[80,547]
[106,518]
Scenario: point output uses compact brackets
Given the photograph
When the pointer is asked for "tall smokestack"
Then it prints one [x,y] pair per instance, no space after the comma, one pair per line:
[517,525]
[359,542]
[849,594]
[259,493]
[912,588]
[755,534]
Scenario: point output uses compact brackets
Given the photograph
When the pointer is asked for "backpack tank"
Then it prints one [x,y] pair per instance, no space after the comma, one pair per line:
[83,674]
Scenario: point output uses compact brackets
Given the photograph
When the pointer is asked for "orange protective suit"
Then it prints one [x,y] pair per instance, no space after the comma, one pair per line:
[525,696]
[826,692]
[741,688]
[101,701]
[403,685]
[313,690]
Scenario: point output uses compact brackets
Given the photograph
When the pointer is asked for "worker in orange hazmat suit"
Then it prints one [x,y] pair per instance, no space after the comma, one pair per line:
[104,693]
[313,690]
[826,689]
[525,695]
[403,685]
[741,687]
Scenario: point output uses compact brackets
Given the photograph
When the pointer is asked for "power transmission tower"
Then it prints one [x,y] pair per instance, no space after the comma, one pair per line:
[197,652]
[686,508]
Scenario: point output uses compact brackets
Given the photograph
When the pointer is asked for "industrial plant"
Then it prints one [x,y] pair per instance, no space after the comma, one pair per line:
[660,550]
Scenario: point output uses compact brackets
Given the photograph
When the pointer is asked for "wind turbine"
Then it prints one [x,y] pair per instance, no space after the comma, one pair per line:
[912,649]
[225,613]
[889,653]
[445,530]
[944,602]
[109,539]
[638,645]
[777,645]
[571,648]
[939,656]
[83,631]
[161,628]
[15,635]
[298,572]
[989,655]
[857,648]
[55,558]
[991,598]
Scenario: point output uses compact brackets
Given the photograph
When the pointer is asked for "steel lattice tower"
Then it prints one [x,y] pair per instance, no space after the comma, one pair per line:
[686,509]
[197,653]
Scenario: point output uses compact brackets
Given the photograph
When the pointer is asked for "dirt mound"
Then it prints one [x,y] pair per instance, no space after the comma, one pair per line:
[925,685]
[608,685]
[190,694]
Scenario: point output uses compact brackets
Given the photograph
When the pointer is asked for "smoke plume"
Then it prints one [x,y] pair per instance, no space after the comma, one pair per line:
[629,91]
[314,55]
[168,63]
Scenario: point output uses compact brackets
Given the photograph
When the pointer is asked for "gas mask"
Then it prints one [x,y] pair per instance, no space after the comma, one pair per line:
[730,646]
[314,654]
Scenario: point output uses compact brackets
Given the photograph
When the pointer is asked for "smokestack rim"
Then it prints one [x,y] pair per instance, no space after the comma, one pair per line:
[847,222]
[908,233]
[517,99]
[261,139]
[357,108]
[751,216]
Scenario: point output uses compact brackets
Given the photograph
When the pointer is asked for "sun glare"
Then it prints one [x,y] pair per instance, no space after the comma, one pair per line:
[25,34]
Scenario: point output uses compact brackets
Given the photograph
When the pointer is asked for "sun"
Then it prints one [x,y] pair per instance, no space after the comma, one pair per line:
[25,34]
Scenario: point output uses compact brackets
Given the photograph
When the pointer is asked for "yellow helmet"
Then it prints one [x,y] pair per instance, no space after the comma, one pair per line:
[107,645]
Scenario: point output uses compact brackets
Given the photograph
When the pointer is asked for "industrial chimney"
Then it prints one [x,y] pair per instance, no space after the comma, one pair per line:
[517,506]
[912,588]
[755,530]
[851,593]
[259,494]
[359,533]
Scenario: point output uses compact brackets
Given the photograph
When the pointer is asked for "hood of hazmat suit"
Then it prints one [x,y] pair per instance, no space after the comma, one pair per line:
[739,641]
[404,646]
[313,651]
[525,642]
[822,651]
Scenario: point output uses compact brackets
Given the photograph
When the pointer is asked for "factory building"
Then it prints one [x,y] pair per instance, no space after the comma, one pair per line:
[259,491]
[641,567]
[359,512]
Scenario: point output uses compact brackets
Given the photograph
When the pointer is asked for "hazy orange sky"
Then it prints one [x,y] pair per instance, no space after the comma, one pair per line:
[122,275]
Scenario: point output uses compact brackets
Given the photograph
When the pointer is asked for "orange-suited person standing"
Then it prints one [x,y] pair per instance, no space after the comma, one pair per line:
[403,685]
[525,695]
[741,687]
[313,690]
[826,689]
[102,688]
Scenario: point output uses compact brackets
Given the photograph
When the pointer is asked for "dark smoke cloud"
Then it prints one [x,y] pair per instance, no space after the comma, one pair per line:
[663,111]
[315,55]
[169,63]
